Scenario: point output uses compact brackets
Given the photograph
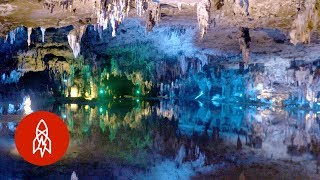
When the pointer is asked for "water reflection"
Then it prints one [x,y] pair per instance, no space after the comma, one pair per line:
[139,134]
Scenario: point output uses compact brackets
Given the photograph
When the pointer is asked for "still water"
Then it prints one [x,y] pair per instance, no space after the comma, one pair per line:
[161,139]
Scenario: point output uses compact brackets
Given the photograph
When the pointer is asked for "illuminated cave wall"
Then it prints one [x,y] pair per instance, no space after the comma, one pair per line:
[173,67]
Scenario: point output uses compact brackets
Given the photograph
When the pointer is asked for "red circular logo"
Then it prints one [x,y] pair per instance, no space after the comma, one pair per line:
[42,138]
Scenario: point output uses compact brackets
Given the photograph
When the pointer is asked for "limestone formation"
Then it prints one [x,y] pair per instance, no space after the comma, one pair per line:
[203,16]
[306,21]
[74,39]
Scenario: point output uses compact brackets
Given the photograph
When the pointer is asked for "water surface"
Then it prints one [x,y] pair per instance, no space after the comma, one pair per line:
[135,138]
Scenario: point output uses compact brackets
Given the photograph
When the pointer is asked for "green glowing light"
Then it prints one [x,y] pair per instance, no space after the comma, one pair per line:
[138,91]
[138,100]
[100,109]
[101,91]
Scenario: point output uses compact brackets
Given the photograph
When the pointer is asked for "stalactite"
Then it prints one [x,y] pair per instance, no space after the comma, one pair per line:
[219,4]
[139,7]
[114,13]
[128,7]
[12,35]
[306,22]
[74,39]
[102,19]
[241,7]
[43,30]
[113,25]
[244,41]
[29,35]
[63,4]
[153,15]
[203,16]
[179,5]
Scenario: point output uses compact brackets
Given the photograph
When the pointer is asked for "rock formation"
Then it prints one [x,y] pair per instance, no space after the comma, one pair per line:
[203,16]
[306,21]
[74,39]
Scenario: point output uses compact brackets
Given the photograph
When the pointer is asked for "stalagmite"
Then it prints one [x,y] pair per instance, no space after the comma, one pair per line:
[244,41]
[306,22]
[29,35]
[43,30]
[203,16]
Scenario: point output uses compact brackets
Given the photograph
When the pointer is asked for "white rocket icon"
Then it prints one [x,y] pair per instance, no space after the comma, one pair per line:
[42,142]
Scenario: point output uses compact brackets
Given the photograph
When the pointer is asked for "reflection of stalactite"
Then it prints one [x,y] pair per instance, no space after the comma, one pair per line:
[203,15]
[152,16]
[244,41]
[305,23]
